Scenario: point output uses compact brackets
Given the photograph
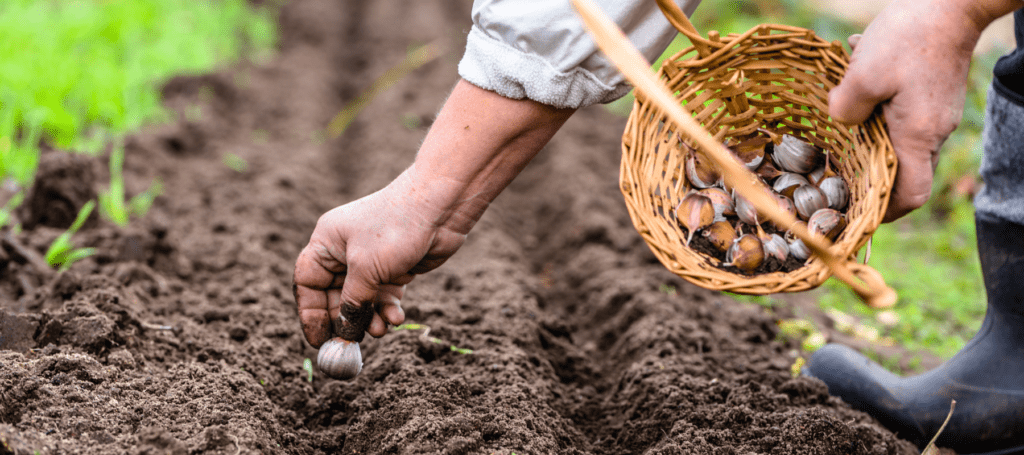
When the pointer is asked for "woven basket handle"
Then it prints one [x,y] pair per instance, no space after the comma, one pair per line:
[866,282]
[678,19]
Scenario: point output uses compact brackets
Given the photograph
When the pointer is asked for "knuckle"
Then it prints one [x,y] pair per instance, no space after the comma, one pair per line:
[916,200]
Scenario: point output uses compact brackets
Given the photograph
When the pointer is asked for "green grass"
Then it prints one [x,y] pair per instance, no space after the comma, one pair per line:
[62,252]
[77,74]
[930,257]
[113,205]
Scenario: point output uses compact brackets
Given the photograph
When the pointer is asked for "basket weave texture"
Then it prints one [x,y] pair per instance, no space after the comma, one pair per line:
[775,77]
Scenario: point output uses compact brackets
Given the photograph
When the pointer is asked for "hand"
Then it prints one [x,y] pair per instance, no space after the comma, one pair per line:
[913,59]
[352,274]
[359,259]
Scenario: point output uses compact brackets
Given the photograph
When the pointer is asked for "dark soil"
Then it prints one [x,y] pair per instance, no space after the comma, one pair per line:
[180,335]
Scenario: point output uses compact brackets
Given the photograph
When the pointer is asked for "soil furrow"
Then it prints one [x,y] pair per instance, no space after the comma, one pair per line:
[180,335]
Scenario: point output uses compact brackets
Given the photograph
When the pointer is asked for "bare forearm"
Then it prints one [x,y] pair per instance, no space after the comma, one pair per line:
[982,13]
[964,20]
[478,144]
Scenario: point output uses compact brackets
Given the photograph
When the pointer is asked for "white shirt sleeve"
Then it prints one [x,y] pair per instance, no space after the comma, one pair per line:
[539,49]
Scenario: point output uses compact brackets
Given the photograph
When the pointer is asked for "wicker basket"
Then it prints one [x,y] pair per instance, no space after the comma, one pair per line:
[775,77]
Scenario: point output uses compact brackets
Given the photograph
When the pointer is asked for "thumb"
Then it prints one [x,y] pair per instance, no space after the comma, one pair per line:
[357,297]
[860,90]
[854,40]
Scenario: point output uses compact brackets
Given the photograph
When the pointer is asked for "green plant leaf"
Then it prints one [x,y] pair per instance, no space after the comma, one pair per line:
[62,252]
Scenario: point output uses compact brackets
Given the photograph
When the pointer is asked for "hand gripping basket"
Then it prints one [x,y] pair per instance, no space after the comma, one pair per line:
[773,76]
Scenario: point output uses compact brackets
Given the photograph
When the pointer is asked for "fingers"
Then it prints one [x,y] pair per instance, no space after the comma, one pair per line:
[862,87]
[912,187]
[854,40]
[917,141]
[855,98]
[309,284]
[389,310]
[371,309]
[314,315]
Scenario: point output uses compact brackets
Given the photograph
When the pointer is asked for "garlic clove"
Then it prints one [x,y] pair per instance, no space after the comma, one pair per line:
[746,253]
[776,247]
[700,171]
[750,153]
[836,191]
[809,199]
[796,155]
[721,235]
[827,222]
[823,171]
[788,179]
[694,213]
[799,250]
[745,210]
[816,175]
[767,170]
[721,200]
[786,204]
[340,358]
[789,232]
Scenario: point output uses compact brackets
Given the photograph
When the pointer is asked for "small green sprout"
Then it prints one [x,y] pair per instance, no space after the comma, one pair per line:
[308,366]
[435,340]
[235,163]
[112,202]
[668,289]
[411,121]
[414,59]
[13,203]
[62,252]
[142,202]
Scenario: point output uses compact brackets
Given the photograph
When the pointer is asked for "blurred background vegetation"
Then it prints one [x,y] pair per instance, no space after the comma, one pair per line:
[80,74]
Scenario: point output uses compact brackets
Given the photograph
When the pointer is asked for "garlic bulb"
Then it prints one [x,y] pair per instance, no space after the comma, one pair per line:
[694,213]
[809,199]
[836,191]
[340,358]
[796,155]
[720,200]
[701,172]
[746,253]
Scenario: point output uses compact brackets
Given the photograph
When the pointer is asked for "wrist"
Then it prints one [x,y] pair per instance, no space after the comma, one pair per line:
[965,20]
[437,200]
[983,13]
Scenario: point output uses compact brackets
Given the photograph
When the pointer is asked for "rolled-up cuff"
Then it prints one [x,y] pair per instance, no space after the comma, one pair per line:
[495,66]
[1002,166]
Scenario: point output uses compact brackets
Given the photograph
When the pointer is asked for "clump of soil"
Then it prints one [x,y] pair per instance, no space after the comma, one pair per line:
[180,335]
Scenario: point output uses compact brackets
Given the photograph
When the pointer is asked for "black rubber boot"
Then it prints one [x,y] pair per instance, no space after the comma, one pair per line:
[986,378]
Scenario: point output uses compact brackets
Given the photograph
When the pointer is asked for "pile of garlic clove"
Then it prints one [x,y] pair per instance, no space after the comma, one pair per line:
[731,230]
